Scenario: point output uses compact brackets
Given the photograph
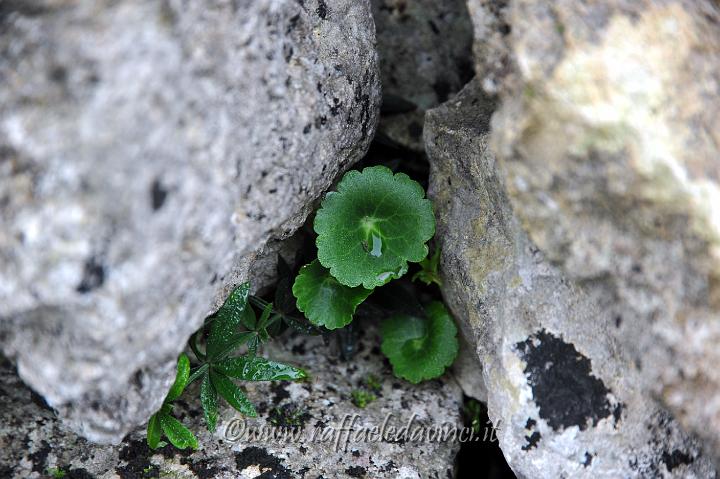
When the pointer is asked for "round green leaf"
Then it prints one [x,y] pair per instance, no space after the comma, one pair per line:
[372,226]
[323,299]
[420,348]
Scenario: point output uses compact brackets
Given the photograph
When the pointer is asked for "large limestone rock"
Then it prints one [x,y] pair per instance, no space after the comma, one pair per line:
[148,151]
[425,56]
[609,135]
[322,407]
[563,392]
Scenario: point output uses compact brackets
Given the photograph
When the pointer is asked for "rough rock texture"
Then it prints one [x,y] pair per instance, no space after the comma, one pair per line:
[425,55]
[148,150]
[566,397]
[32,446]
[609,139]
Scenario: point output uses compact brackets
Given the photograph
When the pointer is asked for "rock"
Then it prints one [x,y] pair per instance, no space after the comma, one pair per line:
[608,136]
[424,50]
[33,441]
[148,151]
[561,390]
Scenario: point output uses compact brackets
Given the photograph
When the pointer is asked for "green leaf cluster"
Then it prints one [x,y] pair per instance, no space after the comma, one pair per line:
[368,230]
[232,326]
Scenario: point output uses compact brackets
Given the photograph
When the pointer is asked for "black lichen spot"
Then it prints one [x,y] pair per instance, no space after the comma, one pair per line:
[356,471]
[58,74]
[434,27]
[279,391]
[288,416]
[204,469]
[78,473]
[39,457]
[135,455]
[307,129]
[675,459]
[530,423]
[532,441]
[158,195]
[566,392]
[257,456]
[618,321]
[93,276]
[322,9]
[588,459]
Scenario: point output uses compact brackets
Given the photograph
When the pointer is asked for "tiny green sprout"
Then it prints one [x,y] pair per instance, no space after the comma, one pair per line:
[56,472]
[372,226]
[362,398]
[429,272]
[373,383]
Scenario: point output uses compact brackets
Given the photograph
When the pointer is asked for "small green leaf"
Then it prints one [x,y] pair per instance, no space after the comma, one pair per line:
[420,348]
[265,316]
[154,432]
[232,394]
[237,340]
[372,226]
[178,435]
[429,272]
[208,399]
[254,368]
[249,319]
[197,373]
[323,299]
[181,378]
[224,322]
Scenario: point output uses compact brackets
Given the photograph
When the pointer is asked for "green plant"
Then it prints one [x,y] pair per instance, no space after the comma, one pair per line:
[56,472]
[420,348]
[372,226]
[217,370]
[362,398]
[234,325]
[368,230]
[162,422]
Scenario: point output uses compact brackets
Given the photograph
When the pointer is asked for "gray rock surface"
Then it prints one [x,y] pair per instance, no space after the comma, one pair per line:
[33,441]
[148,150]
[425,55]
[565,394]
[608,137]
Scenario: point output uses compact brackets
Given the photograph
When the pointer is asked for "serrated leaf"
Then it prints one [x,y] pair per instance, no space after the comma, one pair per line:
[372,226]
[208,399]
[181,378]
[323,299]
[178,435]
[224,322]
[254,368]
[420,348]
[154,432]
[232,394]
